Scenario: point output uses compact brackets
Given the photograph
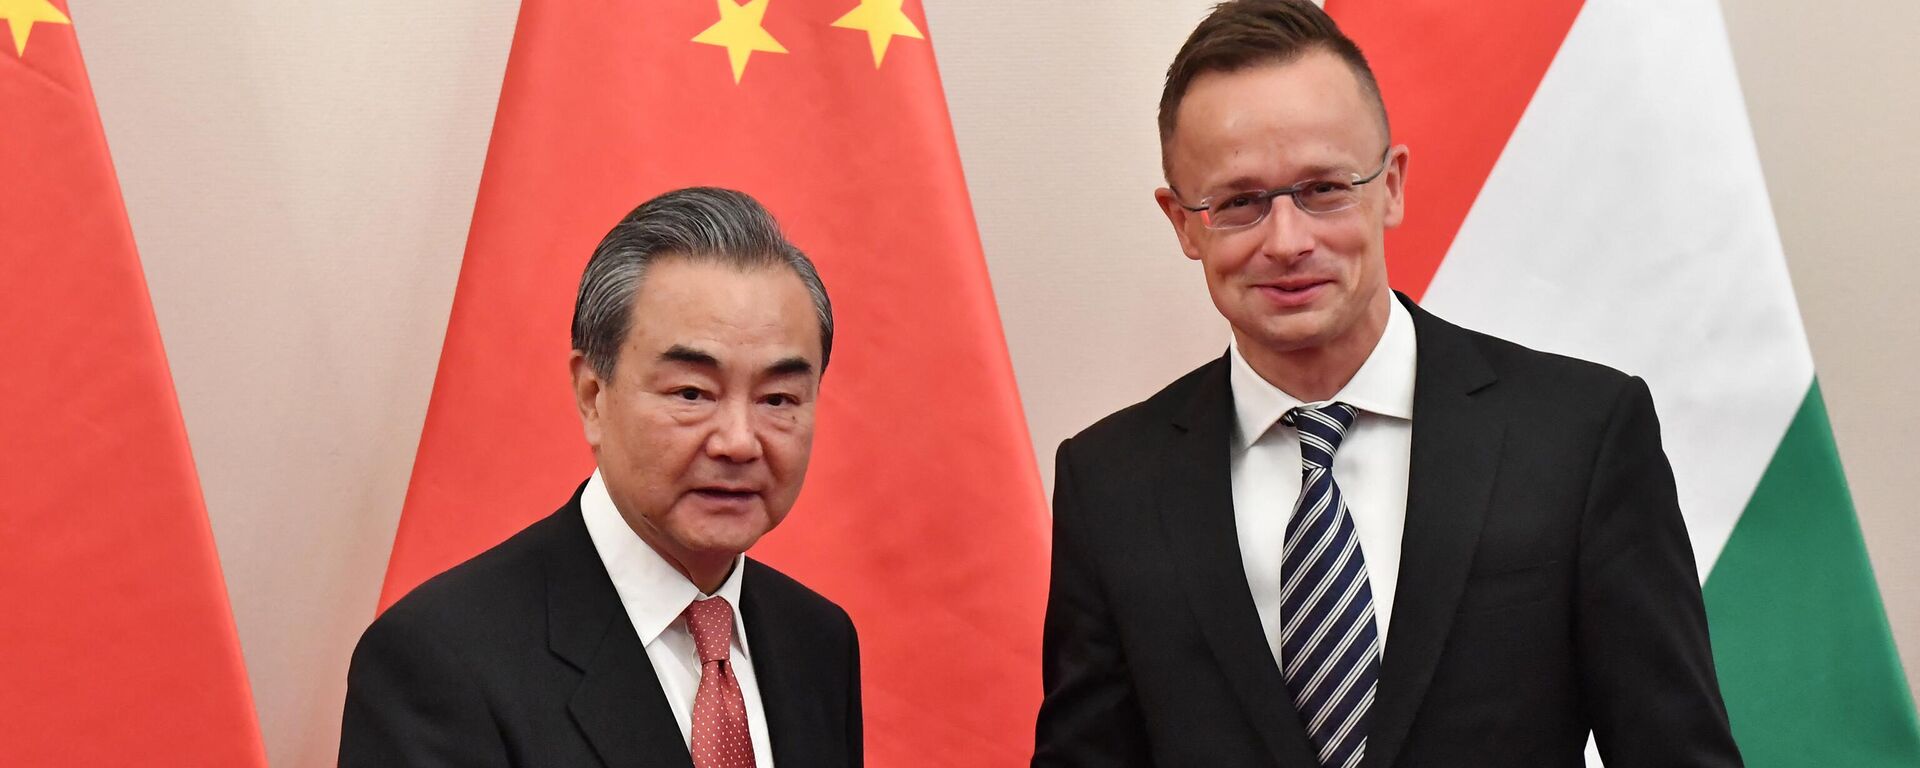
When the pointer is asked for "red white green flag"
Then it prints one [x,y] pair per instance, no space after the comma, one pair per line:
[1584,180]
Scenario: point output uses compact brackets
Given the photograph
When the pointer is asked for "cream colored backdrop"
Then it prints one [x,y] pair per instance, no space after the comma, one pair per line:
[300,178]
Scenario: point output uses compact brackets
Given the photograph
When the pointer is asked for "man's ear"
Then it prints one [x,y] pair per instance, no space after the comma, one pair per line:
[1185,222]
[1394,179]
[587,388]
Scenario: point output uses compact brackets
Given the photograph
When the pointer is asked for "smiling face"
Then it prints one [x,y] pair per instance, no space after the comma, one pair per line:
[1294,282]
[704,428]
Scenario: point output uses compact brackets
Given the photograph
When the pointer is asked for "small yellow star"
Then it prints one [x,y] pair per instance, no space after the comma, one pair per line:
[21,15]
[881,19]
[739,31]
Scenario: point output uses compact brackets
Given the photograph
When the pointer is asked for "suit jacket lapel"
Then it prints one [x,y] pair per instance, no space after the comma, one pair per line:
[779,659]
[619,704]
[1456,451]
[1196,512]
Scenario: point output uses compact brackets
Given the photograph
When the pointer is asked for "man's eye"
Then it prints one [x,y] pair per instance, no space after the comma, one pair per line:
[1324,187]
[781,400]
[1237,201]
[688,393]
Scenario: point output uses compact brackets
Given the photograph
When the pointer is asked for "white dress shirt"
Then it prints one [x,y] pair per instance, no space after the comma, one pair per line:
[1370,467]
[654,595]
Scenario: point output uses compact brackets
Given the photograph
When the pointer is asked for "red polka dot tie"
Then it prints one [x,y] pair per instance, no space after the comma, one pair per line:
[720,737]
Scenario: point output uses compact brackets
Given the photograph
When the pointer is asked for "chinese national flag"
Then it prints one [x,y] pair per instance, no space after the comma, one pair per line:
[117,646]
[923,513]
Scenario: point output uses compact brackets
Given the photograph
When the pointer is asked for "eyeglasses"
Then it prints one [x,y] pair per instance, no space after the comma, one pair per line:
[1318,196]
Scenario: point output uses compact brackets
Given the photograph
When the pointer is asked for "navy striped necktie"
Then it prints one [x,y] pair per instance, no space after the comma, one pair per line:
[1329,645]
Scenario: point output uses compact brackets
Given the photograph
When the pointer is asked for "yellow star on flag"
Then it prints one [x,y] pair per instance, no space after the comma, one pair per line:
[21,15]
[881,19]
[739,31]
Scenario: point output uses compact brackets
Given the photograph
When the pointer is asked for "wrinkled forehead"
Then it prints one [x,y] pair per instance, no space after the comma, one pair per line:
[732,314]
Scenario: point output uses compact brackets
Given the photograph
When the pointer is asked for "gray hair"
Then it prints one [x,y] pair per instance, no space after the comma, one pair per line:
[704,224]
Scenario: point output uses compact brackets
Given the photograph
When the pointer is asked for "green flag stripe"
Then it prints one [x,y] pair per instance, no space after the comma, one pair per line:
[1805,656]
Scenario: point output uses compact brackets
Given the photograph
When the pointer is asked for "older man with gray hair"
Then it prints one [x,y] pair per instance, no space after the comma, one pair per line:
[629,628]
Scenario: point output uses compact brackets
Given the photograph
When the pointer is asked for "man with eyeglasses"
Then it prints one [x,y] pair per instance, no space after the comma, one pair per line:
[1364,536]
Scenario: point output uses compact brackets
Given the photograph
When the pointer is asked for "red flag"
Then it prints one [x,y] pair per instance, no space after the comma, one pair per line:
[923,513]
[1453,99]
[117,646]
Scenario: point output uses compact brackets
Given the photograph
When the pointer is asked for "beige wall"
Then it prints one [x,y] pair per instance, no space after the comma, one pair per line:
[300,179]
[1834,93]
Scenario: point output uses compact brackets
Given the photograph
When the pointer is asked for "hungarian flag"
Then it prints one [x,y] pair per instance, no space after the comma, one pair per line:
[923,513]
[1584,180]
[116,643]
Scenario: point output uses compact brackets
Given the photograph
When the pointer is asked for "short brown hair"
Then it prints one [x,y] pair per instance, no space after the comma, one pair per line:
[1243,33]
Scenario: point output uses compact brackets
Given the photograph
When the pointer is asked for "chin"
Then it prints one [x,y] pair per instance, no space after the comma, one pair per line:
[1290,334]
[728,536]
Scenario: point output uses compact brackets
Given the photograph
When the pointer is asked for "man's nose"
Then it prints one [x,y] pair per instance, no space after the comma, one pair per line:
[733,438]
[1287,231]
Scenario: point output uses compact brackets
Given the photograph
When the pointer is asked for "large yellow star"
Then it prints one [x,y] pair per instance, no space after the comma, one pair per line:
[21,16]
[738,31]
[881,19]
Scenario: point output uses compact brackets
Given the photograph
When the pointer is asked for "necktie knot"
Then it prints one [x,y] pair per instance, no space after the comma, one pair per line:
[1321,430]
[711,622]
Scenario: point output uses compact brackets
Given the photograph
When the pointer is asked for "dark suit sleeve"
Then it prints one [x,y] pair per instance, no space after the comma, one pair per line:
[856,724]
[1090,717]
[1647,667]
[411,704]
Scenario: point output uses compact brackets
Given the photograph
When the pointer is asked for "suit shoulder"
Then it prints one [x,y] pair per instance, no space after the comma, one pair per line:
[793,598]
[1127,425]
[1549,373]
[500,586]
[1556,395]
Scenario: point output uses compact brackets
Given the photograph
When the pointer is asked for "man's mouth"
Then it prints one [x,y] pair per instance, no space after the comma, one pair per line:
[1293,292]
[1295,284]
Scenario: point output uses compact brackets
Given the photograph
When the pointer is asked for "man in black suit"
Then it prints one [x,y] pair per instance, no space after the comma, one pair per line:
[628,628]
[1364,537]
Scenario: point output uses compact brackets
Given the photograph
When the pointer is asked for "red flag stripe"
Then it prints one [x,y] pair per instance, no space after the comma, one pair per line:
[1456,78]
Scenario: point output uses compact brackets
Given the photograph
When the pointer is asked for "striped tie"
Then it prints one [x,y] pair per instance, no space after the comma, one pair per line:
[1329,647]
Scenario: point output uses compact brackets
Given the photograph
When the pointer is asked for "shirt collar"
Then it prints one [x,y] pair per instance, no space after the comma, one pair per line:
[652,591]
[1383,386]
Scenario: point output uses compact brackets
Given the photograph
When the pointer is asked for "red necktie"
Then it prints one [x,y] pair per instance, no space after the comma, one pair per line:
[720,737]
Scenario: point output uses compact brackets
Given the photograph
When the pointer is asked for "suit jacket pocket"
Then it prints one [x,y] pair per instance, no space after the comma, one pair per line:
[1512,587]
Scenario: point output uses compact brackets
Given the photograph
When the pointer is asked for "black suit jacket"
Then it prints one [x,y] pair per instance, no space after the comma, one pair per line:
[1546,584]
[523,656]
